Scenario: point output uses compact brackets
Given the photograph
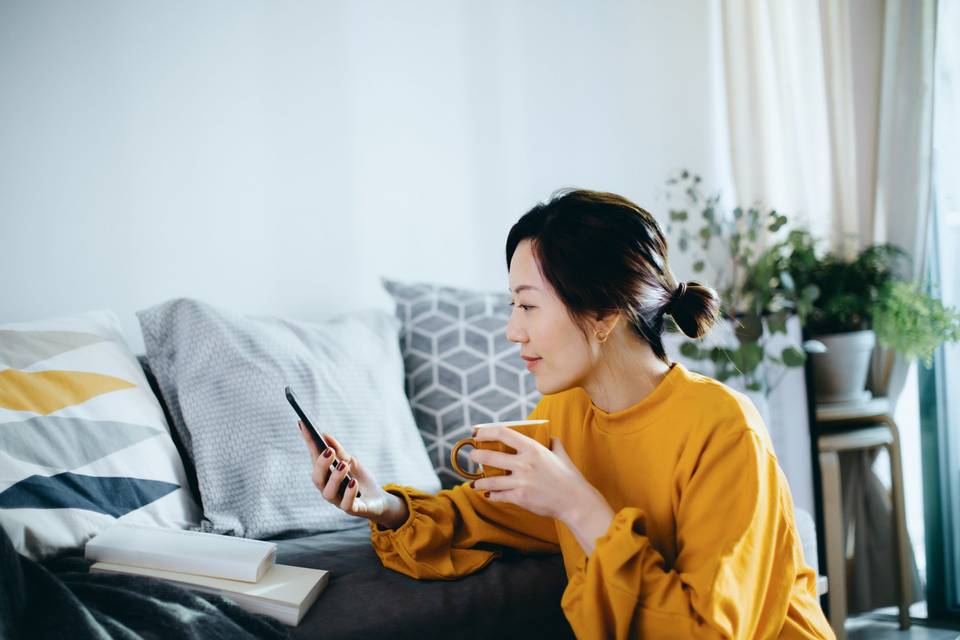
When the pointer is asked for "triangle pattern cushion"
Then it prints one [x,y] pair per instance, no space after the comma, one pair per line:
[57,441]
[101,494]
[44,392]
[83,440]
[20,349]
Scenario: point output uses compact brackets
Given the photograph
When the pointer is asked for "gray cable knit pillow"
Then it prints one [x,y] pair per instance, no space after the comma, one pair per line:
[222,375]
[461,369]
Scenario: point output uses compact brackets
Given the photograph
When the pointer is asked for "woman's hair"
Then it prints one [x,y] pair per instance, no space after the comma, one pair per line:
[602,253]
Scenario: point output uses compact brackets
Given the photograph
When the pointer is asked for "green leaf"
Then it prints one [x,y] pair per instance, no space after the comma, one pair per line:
[737,213]
[914,323]
[753,385]
[677,215]
[777,322]
[750,328]
[691,350]
[752,356]
[793,357]
[810,292]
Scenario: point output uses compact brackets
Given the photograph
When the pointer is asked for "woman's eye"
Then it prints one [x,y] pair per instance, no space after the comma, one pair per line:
[525,307]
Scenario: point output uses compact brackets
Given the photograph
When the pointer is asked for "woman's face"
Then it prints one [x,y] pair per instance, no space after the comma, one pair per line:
[557,353]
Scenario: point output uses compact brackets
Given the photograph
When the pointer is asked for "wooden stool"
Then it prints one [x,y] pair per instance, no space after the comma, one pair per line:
[884,434]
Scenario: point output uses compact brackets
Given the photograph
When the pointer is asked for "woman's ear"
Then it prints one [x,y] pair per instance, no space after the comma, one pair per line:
[605,323]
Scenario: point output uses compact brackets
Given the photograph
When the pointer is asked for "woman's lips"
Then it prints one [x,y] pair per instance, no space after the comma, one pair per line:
[531,362]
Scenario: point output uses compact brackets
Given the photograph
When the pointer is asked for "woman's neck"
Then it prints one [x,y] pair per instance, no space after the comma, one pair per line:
[627,371]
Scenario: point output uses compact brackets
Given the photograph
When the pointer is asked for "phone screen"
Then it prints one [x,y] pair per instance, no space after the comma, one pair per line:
[317,439]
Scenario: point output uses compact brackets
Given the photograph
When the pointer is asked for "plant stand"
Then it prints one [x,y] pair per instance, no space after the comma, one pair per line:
[885,434]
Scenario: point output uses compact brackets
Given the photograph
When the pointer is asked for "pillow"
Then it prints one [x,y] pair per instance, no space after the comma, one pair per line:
[83,441]
[460,368]
[222,375]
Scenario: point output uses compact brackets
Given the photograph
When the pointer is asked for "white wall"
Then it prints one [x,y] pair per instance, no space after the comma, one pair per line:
[281,157]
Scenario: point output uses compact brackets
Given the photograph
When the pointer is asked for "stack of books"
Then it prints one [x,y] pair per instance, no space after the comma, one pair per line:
[237,568]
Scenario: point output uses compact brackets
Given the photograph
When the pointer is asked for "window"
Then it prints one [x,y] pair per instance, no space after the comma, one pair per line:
[940,402]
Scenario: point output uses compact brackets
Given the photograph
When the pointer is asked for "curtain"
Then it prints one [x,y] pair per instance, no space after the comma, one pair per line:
[829,112]
[904,151]
[790,125]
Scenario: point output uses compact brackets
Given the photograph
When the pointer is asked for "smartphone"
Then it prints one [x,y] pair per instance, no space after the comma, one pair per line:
[318,440]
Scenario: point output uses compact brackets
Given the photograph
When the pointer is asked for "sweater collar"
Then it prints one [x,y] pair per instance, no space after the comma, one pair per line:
[635,417]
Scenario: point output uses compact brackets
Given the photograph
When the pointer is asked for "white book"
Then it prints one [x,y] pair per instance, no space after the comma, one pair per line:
[285,593]
[204,554]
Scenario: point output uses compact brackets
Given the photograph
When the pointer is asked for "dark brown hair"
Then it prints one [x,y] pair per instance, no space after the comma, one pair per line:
[602,253]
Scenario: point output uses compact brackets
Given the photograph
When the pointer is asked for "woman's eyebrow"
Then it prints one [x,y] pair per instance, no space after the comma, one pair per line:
[524,287]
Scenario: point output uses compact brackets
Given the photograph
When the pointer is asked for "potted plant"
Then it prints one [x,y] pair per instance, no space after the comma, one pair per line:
[757,293]
[863,301]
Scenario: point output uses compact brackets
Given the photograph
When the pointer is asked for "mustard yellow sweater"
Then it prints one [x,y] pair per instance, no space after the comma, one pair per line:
[703,543]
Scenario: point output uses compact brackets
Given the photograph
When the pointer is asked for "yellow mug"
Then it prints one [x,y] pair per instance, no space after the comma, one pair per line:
[531,428]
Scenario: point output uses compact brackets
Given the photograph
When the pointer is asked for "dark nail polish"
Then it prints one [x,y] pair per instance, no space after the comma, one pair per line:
[353,483]
[486,494]
[473,484]
[327,453]
[343,465]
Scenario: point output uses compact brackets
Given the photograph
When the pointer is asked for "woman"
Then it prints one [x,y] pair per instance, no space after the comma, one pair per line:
[660,488]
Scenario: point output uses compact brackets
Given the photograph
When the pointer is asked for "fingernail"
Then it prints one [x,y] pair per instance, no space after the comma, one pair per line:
[473,484]
[327,453]
[486,494]
[353,483]
[342,466]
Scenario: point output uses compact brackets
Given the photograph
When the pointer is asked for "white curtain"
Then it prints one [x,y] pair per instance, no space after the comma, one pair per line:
[789,86]
[804,81]
[830,120]
[904,150]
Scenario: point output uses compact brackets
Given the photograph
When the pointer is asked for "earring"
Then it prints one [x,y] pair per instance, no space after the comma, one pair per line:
[601,336]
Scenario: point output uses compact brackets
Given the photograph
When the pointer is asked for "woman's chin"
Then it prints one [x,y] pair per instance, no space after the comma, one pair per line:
[545,387]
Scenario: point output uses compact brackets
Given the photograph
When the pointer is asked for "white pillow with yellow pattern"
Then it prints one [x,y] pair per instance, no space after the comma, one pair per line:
[83,440]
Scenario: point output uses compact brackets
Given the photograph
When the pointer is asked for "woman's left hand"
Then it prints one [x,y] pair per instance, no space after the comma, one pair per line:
[543,481]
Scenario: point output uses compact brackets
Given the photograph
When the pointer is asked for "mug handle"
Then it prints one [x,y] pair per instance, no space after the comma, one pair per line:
[456,465]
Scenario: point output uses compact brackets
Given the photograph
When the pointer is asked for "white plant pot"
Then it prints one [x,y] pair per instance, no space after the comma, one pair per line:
[841,372]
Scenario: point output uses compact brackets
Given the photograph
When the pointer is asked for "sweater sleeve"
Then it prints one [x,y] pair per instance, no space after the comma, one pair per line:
[456,532]
[736,563]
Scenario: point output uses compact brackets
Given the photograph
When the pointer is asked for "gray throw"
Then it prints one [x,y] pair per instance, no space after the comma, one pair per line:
[61,599]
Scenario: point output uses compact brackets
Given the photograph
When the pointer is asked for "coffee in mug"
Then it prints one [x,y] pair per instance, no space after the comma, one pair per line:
[534,429]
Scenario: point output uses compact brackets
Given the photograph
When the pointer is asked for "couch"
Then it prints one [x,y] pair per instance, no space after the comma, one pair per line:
[518,595]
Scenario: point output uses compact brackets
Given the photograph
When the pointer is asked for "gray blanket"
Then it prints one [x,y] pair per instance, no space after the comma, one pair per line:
[61,599]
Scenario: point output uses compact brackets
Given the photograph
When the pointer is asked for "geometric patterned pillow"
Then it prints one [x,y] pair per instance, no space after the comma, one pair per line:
[83,440]
[460,368]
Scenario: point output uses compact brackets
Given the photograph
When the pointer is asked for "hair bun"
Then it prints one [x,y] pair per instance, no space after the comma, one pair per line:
[675,297]
[694,307]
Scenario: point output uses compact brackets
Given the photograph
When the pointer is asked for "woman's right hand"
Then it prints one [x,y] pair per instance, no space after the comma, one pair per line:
[375,503]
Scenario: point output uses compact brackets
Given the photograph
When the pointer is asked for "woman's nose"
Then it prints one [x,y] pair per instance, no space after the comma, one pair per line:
[514,331]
